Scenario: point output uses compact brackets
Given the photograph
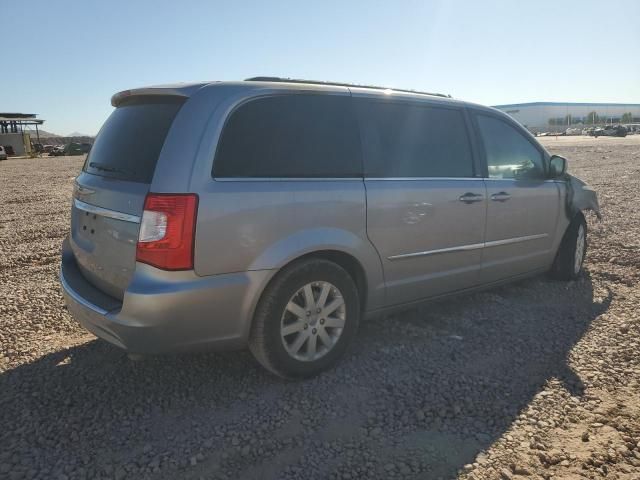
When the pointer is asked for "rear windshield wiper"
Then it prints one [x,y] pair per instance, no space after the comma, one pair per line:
[106,168]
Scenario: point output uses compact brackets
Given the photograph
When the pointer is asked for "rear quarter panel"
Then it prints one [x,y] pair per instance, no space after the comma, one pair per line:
[250,225]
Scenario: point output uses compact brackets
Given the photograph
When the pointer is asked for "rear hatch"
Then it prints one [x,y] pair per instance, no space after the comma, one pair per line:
[109,194]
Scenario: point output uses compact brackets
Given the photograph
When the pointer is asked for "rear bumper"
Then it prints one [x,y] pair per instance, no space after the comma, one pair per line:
[166,311]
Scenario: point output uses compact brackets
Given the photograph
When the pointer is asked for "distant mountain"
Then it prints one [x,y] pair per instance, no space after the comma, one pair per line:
[45,134]
[42,133]
[49,138]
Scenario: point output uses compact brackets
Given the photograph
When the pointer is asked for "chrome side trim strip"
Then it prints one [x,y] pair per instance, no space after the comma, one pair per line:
[461,248]
[76,297]
[287,179]
[368,179]
[104,212]
[513,180]
[507,241]
[464,248]
[418,179]
[339,179]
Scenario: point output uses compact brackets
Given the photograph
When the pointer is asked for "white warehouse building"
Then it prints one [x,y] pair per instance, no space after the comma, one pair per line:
[557,116]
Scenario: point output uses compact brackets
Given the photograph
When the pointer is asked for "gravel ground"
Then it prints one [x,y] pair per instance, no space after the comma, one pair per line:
[539,379]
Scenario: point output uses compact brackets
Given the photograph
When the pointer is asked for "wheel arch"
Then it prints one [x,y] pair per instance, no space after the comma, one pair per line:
[347,261]
[345,248]
[578,213]
[575,214]
[559,267]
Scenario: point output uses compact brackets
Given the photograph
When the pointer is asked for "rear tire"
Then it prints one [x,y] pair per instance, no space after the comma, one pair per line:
[573,249]
[306,319]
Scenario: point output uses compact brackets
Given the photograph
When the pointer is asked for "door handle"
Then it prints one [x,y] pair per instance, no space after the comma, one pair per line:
[500,197]
[471,197]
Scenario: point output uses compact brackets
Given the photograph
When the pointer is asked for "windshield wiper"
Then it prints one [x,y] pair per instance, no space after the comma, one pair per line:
[106,168]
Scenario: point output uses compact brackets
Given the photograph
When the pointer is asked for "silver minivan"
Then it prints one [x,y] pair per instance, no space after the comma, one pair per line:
[275,214]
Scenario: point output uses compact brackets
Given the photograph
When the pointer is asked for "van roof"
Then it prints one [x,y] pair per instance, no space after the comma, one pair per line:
[339,84]
[187,89]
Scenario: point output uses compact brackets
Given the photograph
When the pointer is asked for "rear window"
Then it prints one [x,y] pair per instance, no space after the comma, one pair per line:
[289,136]
[129,143]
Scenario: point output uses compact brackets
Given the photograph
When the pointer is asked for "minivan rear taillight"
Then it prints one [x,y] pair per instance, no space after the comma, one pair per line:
[167,231]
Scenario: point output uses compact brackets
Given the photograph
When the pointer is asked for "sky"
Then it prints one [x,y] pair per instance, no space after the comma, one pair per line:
[64,59]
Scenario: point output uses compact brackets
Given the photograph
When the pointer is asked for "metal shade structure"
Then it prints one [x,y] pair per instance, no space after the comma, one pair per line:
[15,122]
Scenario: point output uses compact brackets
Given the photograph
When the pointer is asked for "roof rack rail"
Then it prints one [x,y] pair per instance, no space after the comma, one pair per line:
[339,84]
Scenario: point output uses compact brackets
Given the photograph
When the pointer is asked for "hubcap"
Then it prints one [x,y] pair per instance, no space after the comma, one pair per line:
[313,321]
[577,262]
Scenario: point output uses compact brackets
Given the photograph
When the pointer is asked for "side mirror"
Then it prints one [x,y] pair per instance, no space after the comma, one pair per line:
[557,166]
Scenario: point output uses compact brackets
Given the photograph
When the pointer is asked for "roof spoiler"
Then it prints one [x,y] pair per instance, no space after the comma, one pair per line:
[119,97]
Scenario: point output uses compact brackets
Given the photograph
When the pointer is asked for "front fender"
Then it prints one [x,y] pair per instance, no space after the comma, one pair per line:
[581,197]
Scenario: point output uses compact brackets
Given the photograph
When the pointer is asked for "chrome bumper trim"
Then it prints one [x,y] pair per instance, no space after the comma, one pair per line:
[104,212]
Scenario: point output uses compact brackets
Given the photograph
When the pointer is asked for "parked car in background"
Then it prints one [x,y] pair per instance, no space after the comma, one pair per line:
[57,151]
[47,148]
[610,131]
[74,148]
[275,214]
[3,153]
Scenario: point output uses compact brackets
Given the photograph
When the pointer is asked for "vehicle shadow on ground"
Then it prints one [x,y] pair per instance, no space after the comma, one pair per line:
[419,396]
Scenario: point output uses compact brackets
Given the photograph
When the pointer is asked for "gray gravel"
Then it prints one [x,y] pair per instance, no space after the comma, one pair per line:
[536,379]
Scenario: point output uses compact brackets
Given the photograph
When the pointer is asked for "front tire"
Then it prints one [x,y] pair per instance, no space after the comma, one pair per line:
[573,249]
[305,319]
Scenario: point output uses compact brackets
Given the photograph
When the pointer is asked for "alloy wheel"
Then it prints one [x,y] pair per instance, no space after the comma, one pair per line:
[313,321]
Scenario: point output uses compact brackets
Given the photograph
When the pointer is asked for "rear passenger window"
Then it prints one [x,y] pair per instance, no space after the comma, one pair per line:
[290,136]
[509,154]
[408,140]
